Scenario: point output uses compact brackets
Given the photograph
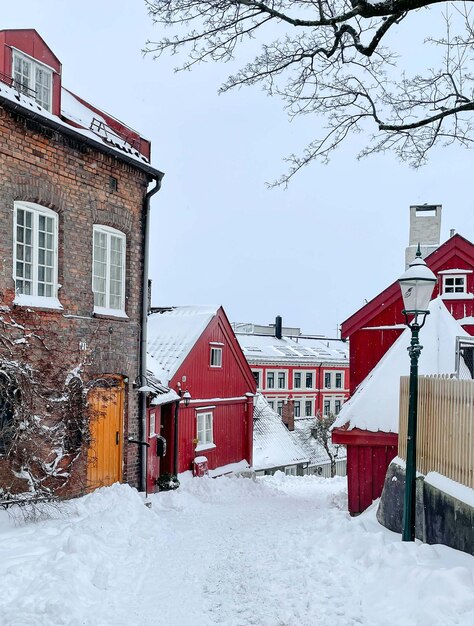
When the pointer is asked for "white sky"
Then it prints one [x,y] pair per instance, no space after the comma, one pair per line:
[312,253]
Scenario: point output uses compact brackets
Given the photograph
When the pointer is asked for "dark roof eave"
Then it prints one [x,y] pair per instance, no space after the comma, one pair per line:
[77,136]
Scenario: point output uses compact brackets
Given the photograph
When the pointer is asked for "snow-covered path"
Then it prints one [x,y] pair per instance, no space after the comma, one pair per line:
[280,551]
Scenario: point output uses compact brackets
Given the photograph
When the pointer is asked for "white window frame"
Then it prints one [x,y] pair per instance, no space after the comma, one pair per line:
[342,380]
[327,404]
[291,470]
[215,352]
[284,374]
[313,374]
[454,277]
[306,402]
[206,430]
[110,232]
[34,299]
[327,373]
[300,374]
[274,379]
[31,89]
[297,403]
[260,377]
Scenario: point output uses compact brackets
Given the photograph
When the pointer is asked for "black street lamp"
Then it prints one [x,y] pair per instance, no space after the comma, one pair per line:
[417,285]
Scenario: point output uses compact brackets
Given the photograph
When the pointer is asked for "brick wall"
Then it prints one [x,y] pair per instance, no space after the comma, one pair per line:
[73,180]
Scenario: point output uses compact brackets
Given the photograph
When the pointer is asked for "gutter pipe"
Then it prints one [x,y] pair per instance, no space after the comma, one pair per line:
[143,338]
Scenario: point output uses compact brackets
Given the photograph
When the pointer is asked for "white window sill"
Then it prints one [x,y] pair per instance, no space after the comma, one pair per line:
[457,296]
[204,446]
[101,310]
[40,302]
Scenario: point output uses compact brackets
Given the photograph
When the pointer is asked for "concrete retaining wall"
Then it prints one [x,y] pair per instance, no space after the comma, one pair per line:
[440,517]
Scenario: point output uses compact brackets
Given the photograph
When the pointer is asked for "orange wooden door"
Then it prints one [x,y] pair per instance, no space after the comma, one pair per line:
[105,452]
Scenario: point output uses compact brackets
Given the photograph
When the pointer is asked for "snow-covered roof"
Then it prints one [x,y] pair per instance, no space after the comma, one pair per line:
[78,119]
[375,404]
[171,335]
[273,444]
[267,349]
[313,449]
[162,393]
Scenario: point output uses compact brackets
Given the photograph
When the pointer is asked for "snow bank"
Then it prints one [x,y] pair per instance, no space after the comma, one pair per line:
[277,551]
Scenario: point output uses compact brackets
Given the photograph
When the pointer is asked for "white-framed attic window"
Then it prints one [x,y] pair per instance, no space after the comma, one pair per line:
[108,271]
[35,255]
[216,356]
[32,78]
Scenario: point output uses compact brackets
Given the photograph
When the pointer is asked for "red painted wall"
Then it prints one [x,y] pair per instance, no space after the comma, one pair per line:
[368,459]
[233,412]
[316,393]
[30,42]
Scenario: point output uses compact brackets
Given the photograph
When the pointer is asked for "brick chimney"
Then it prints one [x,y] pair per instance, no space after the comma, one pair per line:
[288,414]
[425,229]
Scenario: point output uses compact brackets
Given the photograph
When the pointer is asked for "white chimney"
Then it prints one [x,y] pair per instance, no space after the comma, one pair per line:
[425,229]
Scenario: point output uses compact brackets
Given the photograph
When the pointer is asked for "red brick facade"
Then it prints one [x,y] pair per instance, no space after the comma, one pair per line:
[45,167]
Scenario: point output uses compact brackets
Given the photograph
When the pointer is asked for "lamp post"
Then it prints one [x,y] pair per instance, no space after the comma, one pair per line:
[417,285]
[186,397]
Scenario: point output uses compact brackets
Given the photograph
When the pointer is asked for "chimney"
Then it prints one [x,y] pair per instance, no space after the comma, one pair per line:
[278,327]
[288,414]
[425,229]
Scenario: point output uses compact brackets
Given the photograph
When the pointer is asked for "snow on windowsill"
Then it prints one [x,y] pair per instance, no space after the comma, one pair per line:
[103,311]
[457,296]
[40,302]
[205,446]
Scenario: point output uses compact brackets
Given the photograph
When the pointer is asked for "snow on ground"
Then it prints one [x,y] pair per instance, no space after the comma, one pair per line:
[278,551]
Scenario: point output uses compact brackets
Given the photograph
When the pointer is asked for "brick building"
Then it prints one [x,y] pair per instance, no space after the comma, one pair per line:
[310,370]
[74,206]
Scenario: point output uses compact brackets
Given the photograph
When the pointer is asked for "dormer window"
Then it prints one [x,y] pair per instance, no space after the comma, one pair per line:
[32,78]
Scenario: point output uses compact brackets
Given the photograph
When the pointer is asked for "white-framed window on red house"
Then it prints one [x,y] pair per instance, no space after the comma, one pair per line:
[456,283]
[32,78]
[205,435]
[216,356]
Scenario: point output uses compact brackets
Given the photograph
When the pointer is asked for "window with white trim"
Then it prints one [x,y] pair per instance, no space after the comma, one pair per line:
[455,283]
[338,383]
[297,408]
[35,257]
[108,270]
[327,380]
[33,79]
[216,357]
[280,407]
[204,429]
[270,380]
[327,407]
[281,380]
[297,380]
[290,470]
[256,375]
[337,406]
[308,408]
[309,380]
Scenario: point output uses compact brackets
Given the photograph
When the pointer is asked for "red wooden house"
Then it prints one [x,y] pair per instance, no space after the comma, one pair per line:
[193,350]
[372,331]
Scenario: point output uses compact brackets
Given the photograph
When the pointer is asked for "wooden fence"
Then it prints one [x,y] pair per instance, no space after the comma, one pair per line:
[445,434]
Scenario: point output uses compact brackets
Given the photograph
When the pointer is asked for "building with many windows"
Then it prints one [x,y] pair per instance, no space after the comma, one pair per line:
[74,203]
[312,371]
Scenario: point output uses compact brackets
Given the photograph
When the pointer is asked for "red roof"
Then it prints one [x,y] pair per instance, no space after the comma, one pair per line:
[455,246]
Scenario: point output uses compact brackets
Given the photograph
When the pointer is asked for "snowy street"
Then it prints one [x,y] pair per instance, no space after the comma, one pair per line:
[278,551]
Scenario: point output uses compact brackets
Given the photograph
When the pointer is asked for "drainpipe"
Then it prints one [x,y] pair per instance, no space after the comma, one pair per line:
[143,339]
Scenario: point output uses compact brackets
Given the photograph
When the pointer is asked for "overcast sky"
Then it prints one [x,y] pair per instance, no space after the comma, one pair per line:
[312,253]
